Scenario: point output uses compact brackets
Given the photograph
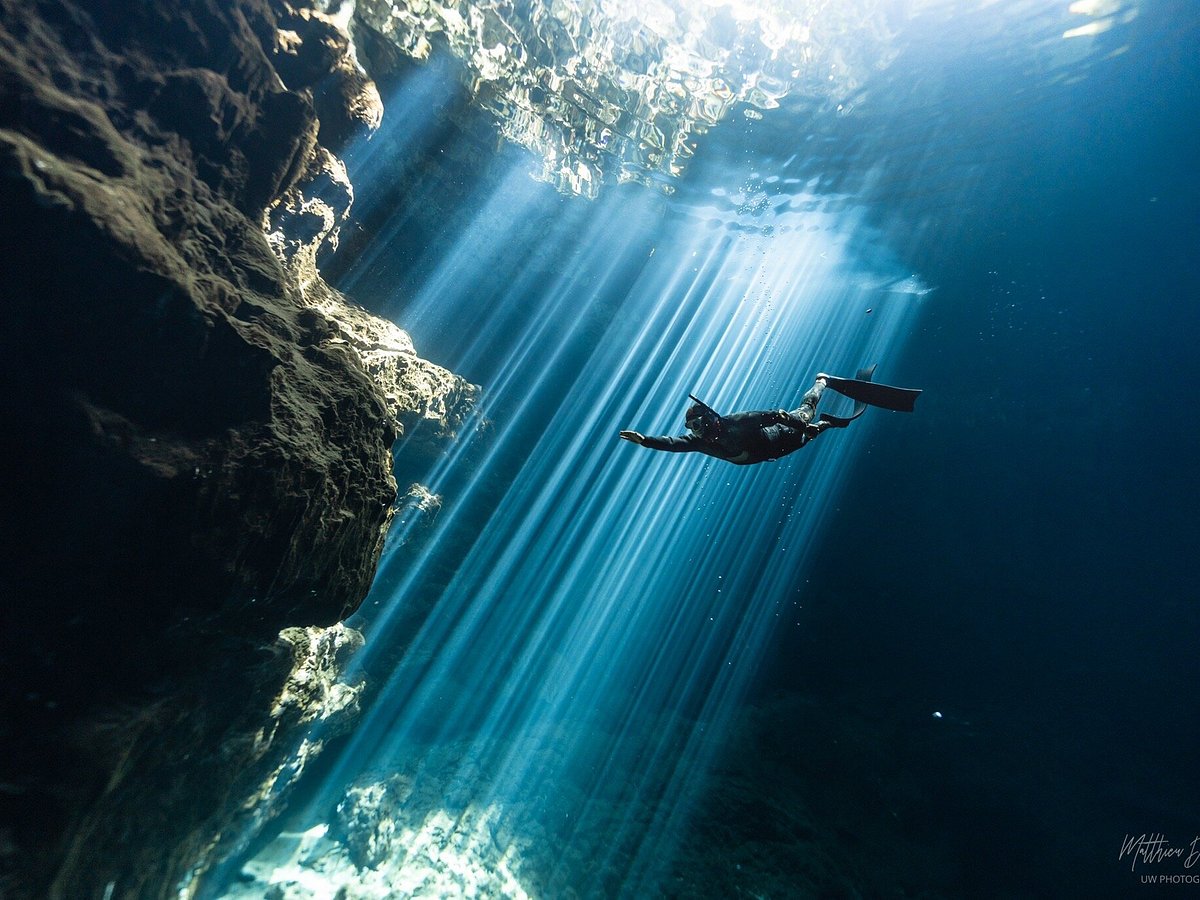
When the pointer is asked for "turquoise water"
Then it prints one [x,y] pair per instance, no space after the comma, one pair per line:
[948,653]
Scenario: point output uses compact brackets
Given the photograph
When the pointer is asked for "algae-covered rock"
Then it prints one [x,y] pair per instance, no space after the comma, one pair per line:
[200,449]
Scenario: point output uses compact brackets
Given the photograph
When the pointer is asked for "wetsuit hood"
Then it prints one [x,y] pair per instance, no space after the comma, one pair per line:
[702,421]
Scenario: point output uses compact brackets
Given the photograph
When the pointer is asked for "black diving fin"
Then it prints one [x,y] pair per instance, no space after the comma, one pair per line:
[863,390]
[859,406]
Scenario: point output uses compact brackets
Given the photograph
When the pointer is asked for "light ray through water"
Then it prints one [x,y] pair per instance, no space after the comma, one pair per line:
[569,689]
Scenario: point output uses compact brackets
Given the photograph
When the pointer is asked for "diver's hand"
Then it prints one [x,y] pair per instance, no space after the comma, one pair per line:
[632,436]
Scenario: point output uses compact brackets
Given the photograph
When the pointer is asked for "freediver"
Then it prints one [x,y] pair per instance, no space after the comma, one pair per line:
[746,438]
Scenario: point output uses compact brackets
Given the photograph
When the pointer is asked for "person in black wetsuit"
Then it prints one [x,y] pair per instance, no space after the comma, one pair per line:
[746,438]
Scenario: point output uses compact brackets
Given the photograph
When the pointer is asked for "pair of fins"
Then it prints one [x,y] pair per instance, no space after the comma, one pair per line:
[864,392]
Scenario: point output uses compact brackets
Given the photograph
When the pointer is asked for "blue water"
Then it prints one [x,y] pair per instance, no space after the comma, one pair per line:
[943,654]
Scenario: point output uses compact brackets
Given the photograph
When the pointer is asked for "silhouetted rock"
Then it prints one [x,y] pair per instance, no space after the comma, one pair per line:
[198,456]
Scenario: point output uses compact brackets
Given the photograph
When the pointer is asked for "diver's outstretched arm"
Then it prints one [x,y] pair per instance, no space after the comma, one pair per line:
[682,444]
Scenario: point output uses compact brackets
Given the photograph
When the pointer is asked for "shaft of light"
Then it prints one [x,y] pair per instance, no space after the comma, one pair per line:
[585,659]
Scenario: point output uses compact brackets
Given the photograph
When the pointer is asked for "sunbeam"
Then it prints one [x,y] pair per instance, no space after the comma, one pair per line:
[419,489]
[571,683]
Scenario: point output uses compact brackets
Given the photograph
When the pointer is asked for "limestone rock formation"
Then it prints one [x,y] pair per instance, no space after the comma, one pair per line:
[199,453]
[429,405]
[386,842]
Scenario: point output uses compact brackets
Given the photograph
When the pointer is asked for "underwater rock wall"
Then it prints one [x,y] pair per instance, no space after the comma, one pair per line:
[198,430]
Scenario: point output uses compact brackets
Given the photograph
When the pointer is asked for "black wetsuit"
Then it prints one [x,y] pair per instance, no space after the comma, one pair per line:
[744,438]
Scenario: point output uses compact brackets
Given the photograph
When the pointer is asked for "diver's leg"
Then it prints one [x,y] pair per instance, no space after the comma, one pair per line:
[808,403]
